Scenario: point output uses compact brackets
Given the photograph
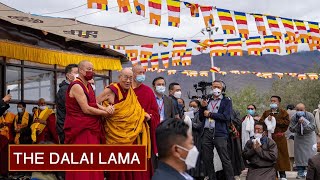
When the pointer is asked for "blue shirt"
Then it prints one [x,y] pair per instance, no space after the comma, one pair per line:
[160,103]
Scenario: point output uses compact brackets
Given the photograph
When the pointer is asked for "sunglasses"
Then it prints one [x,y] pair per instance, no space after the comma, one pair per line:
[250,108]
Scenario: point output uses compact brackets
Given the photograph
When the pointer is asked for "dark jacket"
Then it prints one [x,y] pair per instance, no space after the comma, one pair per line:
[222,118]
[166,172]
[314,168]
[3,107]
[169,111]
[177,110]
[61,107]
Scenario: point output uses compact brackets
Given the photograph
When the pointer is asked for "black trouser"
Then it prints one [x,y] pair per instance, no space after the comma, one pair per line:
[220,143]
[61,137]
[282,174]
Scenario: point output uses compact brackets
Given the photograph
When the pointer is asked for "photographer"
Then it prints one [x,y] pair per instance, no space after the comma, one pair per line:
[4,104]
[216,113]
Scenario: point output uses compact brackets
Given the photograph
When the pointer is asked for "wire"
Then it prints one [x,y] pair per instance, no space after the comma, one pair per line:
[64,10]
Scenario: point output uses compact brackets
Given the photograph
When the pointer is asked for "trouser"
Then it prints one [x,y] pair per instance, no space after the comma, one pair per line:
[282,174]
[301,170]
[220,143]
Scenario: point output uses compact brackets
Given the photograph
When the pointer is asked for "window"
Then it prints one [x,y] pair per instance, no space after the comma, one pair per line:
[60,78]
[38,84]
[100,84]
[13,81]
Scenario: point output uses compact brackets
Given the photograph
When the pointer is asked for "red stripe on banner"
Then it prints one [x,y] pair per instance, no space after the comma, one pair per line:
[241,21]
[288,26]
[154,5]
[274,25]
[314,30]
[253,43]
[99,6]
[301,28]
[259,19]
[173,8]
[225,18]
[77,158]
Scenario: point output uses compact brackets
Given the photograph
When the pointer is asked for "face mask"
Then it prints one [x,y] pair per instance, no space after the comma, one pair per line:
[251,112]
[273,106]
[20,110]
[42,107]
[257,135]
[216,92]
[192,157]
[93,87]
[180,106]
[89,75]
[141,78]
[177,94]
[160,89]
[300,113]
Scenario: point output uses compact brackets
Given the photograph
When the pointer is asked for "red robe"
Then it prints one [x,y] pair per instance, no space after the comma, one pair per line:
[49,133]
[148,102]
[4,145]
[81,128]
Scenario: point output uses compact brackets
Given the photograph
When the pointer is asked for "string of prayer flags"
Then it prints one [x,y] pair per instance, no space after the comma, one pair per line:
[155,12]
[164,43]
[313,76]
[272,44]
[194,9]
[155,61]
[314,32]
[98,4]
[302,77]
[165,59]
[140,7]
[291,46]
[207,15]
[274,26]
[186,58]
[203,73]
[280,75]
[124,6]
[173,13]
[226,21]
[217,48]
[234,47]
[260,24]
[289,27]
[242,23]
[303,36]
[254,46]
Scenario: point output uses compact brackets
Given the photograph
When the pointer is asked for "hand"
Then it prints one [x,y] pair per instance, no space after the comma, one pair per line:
[109,109]
[206,113]
[7,98]
[256,145]
[147,116]
[257,118]
[301,120]
[204,103]
[36,120]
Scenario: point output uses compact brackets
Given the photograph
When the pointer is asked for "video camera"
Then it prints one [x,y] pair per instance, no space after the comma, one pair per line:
[202,86]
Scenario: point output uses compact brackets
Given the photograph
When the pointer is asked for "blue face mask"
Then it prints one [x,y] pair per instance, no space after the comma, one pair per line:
[251,112]
[141,78]
[273,106]
[300,113]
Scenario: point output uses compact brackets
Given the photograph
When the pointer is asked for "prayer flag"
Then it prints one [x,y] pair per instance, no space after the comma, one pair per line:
[242,23]
[303,36]
[154,61]
[173,13]
[179,47]
[254,46]
[234,47]
[165,59]
[140,7]
[226,21]
[274,27]
[155,12]
[260,24]
[314,32]
[272,44]
[289,27]
[124,6]
[98,4]
[217,48]
[207,15]
[194,9]
[186,59]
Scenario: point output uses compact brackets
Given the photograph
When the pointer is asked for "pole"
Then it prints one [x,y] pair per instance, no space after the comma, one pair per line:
[211,59]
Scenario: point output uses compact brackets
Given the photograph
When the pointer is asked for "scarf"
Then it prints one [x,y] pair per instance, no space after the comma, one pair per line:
[43,115]
[271,125]
[247,130]
[24,123]
[8,118]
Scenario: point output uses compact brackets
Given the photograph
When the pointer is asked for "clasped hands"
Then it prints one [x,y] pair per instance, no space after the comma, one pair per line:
[37,120]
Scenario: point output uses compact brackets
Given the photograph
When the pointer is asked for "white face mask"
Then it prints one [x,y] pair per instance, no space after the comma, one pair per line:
[193,109]
[192,157]
[177,94]
[42,107]
[20,110]
[257,135]
[160,89]
[216,92]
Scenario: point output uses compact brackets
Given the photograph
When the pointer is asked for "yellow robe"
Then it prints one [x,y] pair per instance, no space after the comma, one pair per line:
[9,117]
[43,115]
[24,123]
[127,125]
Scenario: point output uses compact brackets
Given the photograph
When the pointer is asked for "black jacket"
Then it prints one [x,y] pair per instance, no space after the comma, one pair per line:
[166,172]
[3,107]
[222,118]
[61,106]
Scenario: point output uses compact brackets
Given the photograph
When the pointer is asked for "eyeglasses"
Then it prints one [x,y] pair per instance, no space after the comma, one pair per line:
[250,108]
[126,78]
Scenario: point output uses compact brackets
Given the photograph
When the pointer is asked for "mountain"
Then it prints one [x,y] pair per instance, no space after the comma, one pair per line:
[301,62]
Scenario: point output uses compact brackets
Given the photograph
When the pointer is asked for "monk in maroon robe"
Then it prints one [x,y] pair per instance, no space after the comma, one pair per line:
[4,145]
[148,102]
[83,117]
[49,133]
[117,94]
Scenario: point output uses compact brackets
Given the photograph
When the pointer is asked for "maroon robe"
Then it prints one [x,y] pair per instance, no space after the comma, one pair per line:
[4,145]
[49,133]
[148,102]
[81,128]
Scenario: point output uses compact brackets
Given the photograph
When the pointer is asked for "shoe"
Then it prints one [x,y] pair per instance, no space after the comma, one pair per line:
[299,177]
[283,179]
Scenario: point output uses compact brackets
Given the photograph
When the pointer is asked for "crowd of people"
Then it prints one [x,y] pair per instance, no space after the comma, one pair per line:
[205,139]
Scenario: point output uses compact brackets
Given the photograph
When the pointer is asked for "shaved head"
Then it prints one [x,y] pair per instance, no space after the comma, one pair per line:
[125,78]
[137,68]
[85,66]
[83,63]
[41,102]
[300,107]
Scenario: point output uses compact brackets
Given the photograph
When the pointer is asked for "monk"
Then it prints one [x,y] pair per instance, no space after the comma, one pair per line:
[44,124]
[83,117]
[6,125]
[148,102]
[22,120]
[128,125]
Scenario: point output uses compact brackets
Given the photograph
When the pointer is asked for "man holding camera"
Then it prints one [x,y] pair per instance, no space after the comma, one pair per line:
[216,115]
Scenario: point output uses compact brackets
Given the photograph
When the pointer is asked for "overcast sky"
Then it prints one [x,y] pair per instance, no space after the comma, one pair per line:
[190,27]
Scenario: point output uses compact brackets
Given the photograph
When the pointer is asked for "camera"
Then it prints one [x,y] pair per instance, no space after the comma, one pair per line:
[202,86]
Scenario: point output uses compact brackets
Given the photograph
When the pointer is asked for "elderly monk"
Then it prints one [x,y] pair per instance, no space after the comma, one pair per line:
[6,125]
[83,117]
[277,132]
[128,125]
[21,120]
[148,102]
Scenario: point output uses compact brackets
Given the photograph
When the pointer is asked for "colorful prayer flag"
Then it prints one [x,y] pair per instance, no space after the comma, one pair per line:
[242,23]
[254,46]
[302,77]
[145,54]
[155,12]
[214,69]
[289,27]
[226,21]
[313,76]
[234,47]
[186,58]
[140,7]
[303,36]
[165,59]
[98,4]
[272,44]
[164,43]
[314,32]
[207,15]
[194,9]
[173,13]
[154,61]
[175,60]
[217,48]
[274,26]
[124,6]
[117,47]
[179,47]
[260,24]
